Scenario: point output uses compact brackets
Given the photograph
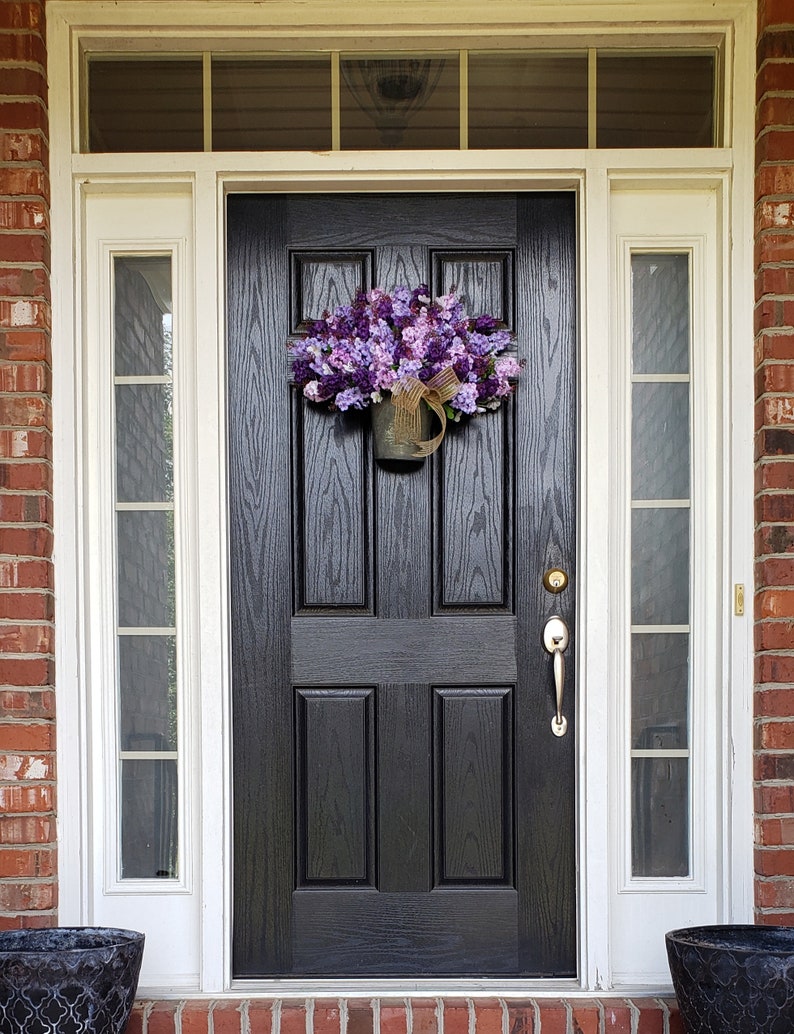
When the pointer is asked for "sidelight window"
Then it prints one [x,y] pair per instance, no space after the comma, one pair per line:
[145,568]
[660,564]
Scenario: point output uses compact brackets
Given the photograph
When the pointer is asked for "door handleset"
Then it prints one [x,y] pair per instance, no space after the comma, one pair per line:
[556,638]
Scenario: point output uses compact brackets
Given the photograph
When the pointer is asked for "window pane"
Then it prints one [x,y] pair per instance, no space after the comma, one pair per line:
[271,104]
[149,819]
[142,319]
[660,817]
[527,100]
[660,313]
[147,692]
[655,100]
[660,567]
[406,102]
[145,569]
[144,465]
[660,441]
[145,105]
[145,550]
[659,690]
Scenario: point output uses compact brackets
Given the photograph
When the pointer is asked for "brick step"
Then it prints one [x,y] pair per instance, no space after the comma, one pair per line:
[407,1016]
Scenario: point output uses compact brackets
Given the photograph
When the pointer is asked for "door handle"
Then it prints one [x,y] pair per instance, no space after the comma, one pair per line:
[555,639]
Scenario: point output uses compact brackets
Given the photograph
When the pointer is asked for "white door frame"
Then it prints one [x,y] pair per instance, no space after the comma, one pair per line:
[206,179]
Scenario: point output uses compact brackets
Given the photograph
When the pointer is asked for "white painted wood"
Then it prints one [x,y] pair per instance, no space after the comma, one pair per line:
[148,755]
[737,489]
[412,170]
[594,650]
[212,638]
[134,507]
[68,550]
[140,630]
[648,752]
[153,378]
[660,378]
[642,910]
[383,20]
[167,910]
[188,934]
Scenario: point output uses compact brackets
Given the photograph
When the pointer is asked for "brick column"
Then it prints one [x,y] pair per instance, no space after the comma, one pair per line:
[28,888]
[774,467]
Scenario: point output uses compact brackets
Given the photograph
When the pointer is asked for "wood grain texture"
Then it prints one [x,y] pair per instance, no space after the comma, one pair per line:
[335,734]
[332,492]
[546,407]
[360,649]
[373,221]
[473,759]
[323,280]
[473,530]
[450,555]
[403,542]
[483,281]
[405,266]
[352,932]
[259,534]
[404,804]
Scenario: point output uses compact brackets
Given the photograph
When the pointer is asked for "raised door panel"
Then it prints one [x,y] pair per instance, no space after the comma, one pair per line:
[335,753]
[474,813]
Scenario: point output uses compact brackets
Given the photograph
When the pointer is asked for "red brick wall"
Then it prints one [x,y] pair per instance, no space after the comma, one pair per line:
[774,469]
[28,889]
[27,787]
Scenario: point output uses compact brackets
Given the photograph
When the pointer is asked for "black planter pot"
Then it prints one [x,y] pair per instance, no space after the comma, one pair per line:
[68,980]
[734,979]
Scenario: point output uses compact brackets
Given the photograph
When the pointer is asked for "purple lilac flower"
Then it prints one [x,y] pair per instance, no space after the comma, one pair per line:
[466,399]
[351,398]
[353,354]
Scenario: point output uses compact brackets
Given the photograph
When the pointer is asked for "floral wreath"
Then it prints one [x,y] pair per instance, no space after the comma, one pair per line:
[410,345]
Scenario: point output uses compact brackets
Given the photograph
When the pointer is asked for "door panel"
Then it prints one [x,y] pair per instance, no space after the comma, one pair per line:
[474,837]
[401,805]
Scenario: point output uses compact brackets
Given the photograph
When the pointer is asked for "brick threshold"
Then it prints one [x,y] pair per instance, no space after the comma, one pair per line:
[447,1015]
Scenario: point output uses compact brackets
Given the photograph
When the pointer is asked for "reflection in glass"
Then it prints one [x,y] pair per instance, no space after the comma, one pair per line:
[660,567]
[400,102]
[655,100]
[660,441]
[660,817]
[660,313]
[145,104]
[660,563]
[147,692]
[527,99]
[144,446]
[145,566]
[142,315]
[149,812]
[659,690]
[271,104]
[516,99]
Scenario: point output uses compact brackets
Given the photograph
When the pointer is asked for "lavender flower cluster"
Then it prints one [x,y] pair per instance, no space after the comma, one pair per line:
[354,354]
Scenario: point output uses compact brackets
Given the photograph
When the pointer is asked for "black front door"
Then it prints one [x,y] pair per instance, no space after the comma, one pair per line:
[401,804]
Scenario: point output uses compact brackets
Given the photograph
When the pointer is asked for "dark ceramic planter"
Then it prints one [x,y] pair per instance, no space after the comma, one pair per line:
[734,979]
[68,980]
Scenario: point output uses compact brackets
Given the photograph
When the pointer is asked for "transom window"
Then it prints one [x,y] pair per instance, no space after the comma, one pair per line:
[455,100]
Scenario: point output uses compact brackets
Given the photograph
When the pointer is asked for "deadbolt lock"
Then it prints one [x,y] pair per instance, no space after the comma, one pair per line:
[555,580]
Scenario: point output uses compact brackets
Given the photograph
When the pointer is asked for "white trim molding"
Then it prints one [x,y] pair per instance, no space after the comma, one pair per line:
[115,201]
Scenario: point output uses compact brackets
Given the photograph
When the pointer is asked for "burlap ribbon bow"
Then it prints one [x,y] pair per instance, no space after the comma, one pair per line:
[407,395]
